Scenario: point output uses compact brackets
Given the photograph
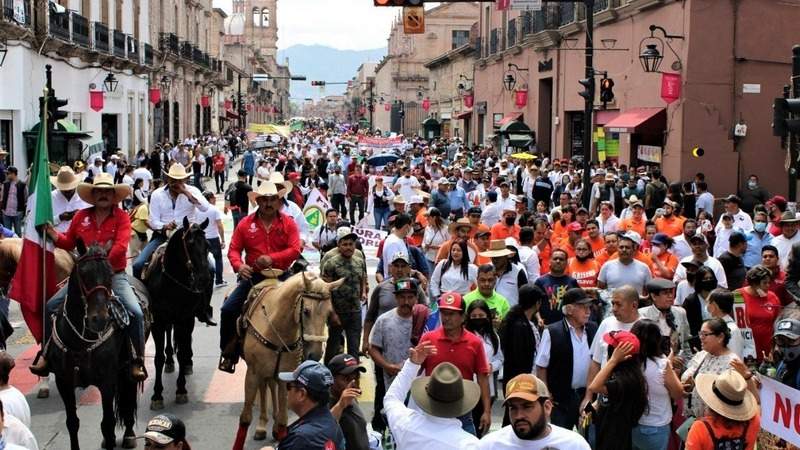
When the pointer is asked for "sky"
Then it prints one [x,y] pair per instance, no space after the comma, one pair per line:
[342,24]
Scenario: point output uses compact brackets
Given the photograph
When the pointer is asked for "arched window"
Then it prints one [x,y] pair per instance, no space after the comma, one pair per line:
[256,17]
[265,17]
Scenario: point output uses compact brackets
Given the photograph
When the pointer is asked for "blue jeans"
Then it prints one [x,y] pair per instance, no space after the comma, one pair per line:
[646,437]
[232,308]
[237,216]
[13,223]
[122,288]
[381,217]
[467,424]
[147,252]
[215,248]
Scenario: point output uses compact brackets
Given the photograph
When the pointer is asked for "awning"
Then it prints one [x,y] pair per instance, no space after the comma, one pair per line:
[630,120]
[430,122]
[463,115]
[512,117]
[514,127]
[603,117]
[92,145]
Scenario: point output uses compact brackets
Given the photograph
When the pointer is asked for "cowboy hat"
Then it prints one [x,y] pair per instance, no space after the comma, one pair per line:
[278,180]
[103,181]
[789,217]
[177,172]
[66,180]
[727,395]
[462,222]
[267,188]
[445,393]
[633,200]
[497,248]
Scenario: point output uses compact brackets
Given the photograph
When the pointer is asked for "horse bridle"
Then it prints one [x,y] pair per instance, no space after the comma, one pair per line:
[102,335]
[189,266]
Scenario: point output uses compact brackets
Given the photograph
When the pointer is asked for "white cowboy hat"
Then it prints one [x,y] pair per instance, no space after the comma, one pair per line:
[727,394]
[278,180]
[103,181]
[66,180]
[177,172]
[266,188]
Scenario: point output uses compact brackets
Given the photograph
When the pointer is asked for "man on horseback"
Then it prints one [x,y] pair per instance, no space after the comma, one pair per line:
[103,222]
[271,240]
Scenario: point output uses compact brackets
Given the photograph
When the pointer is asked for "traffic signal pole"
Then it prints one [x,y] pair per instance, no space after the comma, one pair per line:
[588,122]
[794,138]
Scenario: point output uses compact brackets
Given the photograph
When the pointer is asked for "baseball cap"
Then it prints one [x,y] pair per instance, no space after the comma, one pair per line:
[400,256]
[344,364]
[789,328]
[576,296]
[633,236]
[474,210]
[660,239]
[657,285]
[451,301]
[575,226]
[311,374]
[615,338]
[405,285]
[526,387]
[698,237]
[345,233]
[164,429]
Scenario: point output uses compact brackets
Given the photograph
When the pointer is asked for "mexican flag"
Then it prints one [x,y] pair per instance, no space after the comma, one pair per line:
[35,279]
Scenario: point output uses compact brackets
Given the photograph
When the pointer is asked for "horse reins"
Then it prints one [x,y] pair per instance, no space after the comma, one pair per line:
[189,266]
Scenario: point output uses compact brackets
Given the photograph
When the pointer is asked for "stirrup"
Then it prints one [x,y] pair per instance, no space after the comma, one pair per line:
[37,369]
[227,364]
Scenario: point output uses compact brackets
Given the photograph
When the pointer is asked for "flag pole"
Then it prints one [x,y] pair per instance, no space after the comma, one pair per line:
[41,231]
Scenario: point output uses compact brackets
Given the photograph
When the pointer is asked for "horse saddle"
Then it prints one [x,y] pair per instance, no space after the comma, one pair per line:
[155,259]
[252,303]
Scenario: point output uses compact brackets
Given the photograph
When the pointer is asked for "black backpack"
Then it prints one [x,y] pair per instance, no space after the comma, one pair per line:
[737,443]
[659,195]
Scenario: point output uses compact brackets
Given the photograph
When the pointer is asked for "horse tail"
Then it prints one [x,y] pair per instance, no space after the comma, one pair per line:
[126,397]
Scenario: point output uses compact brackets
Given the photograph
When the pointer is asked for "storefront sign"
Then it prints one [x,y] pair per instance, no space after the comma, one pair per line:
[748,88]
[649,153]
[670,87]
[780,410]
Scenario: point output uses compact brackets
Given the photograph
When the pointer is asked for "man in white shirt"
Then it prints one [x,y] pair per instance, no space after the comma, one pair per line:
[406,186]
[440,403]
[395,242]
[705,201]
[700,253]
[169,205]
[215,235]
[741,219]
[96,168]
[680,247]
[65,202]
[788,237]
[529,408]
[144,174]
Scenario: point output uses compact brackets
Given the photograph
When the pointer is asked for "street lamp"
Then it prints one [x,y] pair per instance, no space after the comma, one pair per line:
[110,83]
[509,81]
[650,58]
[165,84]
[649,54]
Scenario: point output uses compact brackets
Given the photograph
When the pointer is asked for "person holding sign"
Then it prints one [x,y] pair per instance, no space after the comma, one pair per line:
[762,308]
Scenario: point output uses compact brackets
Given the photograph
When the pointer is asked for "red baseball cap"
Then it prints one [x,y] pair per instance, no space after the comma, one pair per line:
[451,301]
[615,338]
[575,226]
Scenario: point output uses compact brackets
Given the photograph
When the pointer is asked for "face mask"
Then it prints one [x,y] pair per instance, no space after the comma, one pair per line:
[510,221]
[656,250]
[752,184]
[790,353]
[760,226]
[705,285]
[408,176]
[477,324]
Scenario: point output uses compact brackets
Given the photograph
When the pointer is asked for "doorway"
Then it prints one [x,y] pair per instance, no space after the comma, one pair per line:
[575,124]
[109,124]
[545,125]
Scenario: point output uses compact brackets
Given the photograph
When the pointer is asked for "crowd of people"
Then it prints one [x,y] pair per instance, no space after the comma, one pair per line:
[501,274]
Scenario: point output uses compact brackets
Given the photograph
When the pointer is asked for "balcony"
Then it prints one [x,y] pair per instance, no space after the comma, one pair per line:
[59,26]
[186,50]
[566,13]
[169,43]
[148,55]
[197,55]
[546,19]
[511,33]
[101,36]
[206,62]
[22,16]
[133,49]
[119,43]
[80,30]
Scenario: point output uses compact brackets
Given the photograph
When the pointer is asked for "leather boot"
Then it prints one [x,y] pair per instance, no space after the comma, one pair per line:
[39,366]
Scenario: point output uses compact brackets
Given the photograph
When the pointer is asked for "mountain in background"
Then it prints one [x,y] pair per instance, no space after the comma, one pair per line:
[318,62]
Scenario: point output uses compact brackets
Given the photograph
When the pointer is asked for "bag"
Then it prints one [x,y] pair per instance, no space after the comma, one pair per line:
[737,443]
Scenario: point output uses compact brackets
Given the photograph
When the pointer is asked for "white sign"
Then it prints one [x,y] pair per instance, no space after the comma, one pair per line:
[649,153]
[780,410]
[370,237]
[740,316]
[526,5]
[19,11]
[751,88]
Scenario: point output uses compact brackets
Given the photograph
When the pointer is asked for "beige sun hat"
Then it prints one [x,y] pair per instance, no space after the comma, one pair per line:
[277,179]
[267,188]
[497,248]
[103,181]
[177,172]
[66,180]
[727,394]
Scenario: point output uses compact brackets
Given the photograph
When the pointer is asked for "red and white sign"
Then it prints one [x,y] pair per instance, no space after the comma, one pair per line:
[426,104]
[521,98]
[740,315]
[96,100]
[670,87]
[469,99]
[780,410]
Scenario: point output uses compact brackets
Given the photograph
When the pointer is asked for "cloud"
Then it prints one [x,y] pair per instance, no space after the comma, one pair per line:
[342,24]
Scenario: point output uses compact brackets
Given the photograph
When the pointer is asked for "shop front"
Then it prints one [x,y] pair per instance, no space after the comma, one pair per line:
[634,137]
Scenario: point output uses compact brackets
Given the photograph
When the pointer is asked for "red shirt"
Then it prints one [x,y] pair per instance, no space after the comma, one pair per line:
[778,287]
[281,242]
[115,228]
[357,185]
[466,353]
[761,315]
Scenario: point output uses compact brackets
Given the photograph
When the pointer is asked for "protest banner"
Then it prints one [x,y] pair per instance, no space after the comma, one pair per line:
[780,410]
[740,315]
[378,144]
[370,239]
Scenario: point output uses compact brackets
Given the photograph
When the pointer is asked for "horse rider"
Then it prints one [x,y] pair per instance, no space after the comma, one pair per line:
[270,240]
[102,222]
[65,202]
[169,204]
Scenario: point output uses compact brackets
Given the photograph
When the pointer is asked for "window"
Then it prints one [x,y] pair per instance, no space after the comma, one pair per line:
[256,17]
[460,38]
[265,17]
[77,119]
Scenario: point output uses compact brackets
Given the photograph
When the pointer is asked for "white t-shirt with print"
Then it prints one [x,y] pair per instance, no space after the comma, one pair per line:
[559,438]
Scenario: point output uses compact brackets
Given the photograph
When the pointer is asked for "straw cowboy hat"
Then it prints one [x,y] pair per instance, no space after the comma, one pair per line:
[633,200]
[445,393]
[789,217]
[177,172]
[103,181]
[278,180]
[727,395]
[462,222]
[267,188]
[497,248]
[66,180]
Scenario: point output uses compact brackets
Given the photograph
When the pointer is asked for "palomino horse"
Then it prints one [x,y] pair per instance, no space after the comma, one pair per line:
[286,324]
[90,347]
[179,282]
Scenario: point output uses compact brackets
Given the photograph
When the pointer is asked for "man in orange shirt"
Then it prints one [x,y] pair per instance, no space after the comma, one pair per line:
[593,236]
[481,241]
[474,215]
[670,223]
[507,227]
[583,267]
[636,222]
[610,250]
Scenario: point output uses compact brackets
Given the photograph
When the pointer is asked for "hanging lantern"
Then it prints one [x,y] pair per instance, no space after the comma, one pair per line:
[96,100]
[426,104]
[387,107]
[521,98]
[155,95]
[228,104]
[469,100]
[204,101]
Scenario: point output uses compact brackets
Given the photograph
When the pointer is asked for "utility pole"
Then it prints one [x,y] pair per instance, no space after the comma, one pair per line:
[239,104]
[794,138]
[371,105]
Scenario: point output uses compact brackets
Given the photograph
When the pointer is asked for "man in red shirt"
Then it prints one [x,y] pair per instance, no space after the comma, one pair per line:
[463,349]
[357,187]
[103,222]
[218,163]
[270,240]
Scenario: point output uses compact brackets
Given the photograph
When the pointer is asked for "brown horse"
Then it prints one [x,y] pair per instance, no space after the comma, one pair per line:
[286,324]
[10,250]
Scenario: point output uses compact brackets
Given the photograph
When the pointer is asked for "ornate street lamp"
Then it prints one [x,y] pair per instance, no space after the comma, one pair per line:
[650,58]
[165,83]
[650,55]
[110,83]
[510,80]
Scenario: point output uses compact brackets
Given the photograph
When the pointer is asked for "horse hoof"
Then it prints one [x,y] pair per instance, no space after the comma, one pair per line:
[129,442]
[169,368]
[156,405]
[260,435]
[188,370]
[181,399]
[43,393]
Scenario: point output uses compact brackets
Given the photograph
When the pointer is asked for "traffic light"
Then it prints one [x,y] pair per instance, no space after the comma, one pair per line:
[398,2]
[785,116]
[318,83]
[606,91]
[588,92]
[54,113]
